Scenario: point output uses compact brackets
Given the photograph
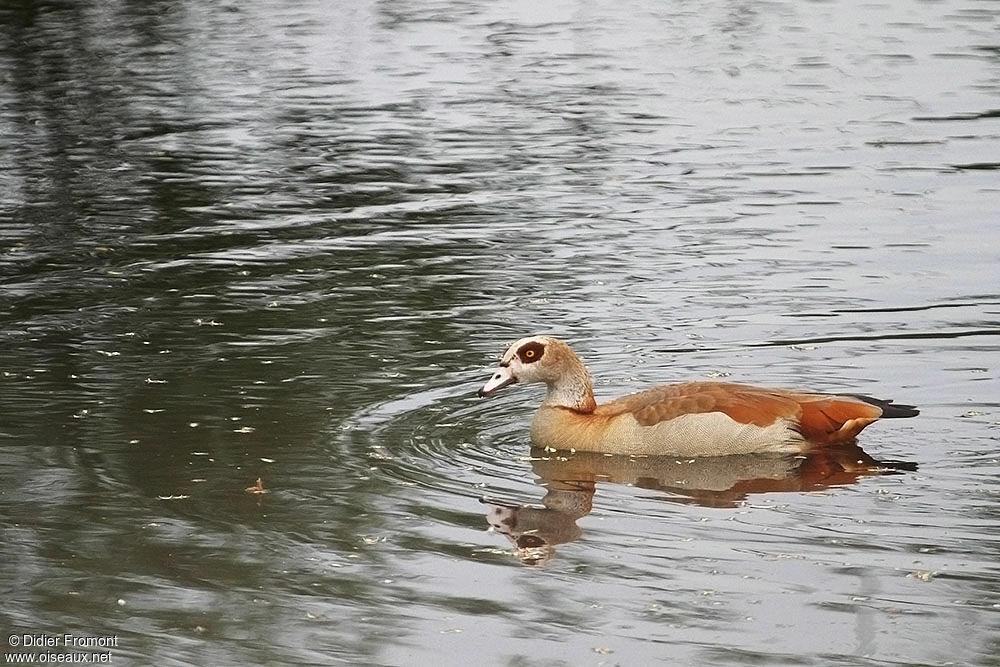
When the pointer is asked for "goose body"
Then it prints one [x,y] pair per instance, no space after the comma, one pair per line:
[690,419]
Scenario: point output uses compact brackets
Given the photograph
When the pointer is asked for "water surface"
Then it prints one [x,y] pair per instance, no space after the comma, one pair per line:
[285,242]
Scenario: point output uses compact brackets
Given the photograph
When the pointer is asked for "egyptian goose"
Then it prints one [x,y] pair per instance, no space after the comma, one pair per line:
[691,419]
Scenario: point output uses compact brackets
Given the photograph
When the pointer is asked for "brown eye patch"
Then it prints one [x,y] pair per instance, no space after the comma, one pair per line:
[531,352]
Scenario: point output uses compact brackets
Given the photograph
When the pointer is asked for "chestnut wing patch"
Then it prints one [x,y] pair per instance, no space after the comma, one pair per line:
[835,417]
[816,416]
[747,405]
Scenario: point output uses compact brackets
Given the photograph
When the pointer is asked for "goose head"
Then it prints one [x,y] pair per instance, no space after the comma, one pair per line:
[549,361]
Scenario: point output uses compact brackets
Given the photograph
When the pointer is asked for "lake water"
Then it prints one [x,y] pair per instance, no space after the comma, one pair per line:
[286,241]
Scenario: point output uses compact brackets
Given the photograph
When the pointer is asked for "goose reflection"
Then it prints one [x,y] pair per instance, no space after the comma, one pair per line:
[719,481]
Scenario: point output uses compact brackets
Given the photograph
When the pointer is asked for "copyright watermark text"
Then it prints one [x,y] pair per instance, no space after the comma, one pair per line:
[59,649]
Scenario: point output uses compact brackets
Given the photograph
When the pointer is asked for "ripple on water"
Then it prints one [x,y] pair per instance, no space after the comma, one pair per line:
[433,439]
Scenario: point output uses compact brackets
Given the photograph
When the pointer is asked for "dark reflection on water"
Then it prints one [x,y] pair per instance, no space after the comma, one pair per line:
[571,481]
[282,240]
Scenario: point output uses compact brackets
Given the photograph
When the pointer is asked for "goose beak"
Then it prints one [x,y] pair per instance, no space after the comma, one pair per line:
[501,378]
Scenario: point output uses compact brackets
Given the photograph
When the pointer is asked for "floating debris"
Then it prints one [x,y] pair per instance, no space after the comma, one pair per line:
[257,489]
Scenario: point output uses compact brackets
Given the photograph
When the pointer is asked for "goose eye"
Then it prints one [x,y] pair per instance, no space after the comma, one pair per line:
[531,352]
